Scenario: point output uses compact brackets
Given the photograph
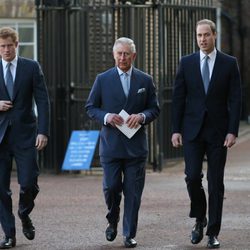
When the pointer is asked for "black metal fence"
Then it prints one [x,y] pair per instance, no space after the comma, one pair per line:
[75,43]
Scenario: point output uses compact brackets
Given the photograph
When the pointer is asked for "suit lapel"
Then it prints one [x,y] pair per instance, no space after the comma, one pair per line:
[17,78]
[3,88]
[132,87]
[117,83]
[216,70]
[197,68]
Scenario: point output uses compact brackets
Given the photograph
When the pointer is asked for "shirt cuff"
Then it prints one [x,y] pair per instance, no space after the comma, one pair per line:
[144,117]
[105,119]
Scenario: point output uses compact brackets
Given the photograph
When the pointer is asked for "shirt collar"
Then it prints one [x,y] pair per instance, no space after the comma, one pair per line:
[13,62]
[211,55]
[120,72]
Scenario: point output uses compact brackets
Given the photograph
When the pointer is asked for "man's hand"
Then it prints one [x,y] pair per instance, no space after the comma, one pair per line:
[134,120]
[5,105]
[230,140]
[114,119]
[41,141]
[176,140]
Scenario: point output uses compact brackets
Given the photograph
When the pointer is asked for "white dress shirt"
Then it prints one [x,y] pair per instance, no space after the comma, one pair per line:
[211,60]
[12,68]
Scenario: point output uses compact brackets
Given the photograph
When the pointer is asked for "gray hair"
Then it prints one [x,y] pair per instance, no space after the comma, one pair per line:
[125,41]
[208,22]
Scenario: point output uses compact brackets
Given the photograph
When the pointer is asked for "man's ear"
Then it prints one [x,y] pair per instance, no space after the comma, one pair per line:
[134,56]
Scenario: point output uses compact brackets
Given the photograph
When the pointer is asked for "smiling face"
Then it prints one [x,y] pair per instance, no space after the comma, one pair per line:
[8,48]
[123,56]
[205,38]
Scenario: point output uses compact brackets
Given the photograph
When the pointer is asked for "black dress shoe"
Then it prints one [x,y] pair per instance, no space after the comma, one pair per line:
[28,228]
[8,243]
[111,231]
[197,232]
[129,242]
[213,242]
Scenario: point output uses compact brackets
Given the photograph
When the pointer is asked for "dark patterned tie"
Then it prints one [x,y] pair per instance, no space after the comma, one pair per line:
[205,74]
[9,81]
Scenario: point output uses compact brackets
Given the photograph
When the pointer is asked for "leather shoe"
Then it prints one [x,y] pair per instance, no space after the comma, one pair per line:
[8,243]
[213,242]
[28,228]
[111,231]
[129,242]
[197,231]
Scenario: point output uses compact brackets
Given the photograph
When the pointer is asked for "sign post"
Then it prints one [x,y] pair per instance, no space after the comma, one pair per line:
[80,150]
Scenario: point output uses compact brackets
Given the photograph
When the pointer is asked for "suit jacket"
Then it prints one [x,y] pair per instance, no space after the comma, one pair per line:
[29,86]
[222,103]
[107,96]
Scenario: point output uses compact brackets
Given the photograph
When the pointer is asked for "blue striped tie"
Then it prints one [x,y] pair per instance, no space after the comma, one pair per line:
[205,74]
[9,81]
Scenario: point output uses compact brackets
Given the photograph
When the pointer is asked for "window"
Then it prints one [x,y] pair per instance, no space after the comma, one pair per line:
[27,36]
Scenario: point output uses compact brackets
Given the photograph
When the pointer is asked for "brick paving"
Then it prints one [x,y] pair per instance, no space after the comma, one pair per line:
[70,210]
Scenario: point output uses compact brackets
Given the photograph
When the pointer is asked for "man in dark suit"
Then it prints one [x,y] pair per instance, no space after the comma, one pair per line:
[123,159]
[21,134]
[206,114]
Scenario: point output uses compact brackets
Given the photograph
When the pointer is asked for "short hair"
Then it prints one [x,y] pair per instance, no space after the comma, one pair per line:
[125,41]
[208,22]
[6,32]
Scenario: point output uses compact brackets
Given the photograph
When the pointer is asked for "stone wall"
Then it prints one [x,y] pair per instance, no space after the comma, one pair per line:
[17,9]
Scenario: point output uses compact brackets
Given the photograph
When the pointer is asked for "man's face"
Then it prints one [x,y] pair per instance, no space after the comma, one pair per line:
[8,49]
[123,57]
[205,38]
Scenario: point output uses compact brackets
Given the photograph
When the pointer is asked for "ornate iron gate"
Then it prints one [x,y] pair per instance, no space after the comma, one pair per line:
[75,43]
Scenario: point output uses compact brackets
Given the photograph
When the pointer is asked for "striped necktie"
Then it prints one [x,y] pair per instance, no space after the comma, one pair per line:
[9,81]
[125,83]
[205,73]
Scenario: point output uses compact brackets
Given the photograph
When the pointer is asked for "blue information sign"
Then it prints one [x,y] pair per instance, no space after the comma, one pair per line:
[80,150]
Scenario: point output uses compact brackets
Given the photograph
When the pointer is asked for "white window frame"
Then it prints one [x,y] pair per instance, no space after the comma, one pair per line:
[20,23]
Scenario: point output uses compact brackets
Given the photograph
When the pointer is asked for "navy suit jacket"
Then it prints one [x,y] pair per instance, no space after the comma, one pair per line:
[107,96]
[29,86]
[222,103]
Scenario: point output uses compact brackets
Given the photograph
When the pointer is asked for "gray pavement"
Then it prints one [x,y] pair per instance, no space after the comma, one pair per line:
[70,210]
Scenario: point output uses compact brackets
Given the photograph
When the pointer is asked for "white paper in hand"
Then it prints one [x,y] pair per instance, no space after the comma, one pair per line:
[129,132]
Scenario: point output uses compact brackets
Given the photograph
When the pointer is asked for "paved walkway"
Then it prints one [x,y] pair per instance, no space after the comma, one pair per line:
[70,210]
